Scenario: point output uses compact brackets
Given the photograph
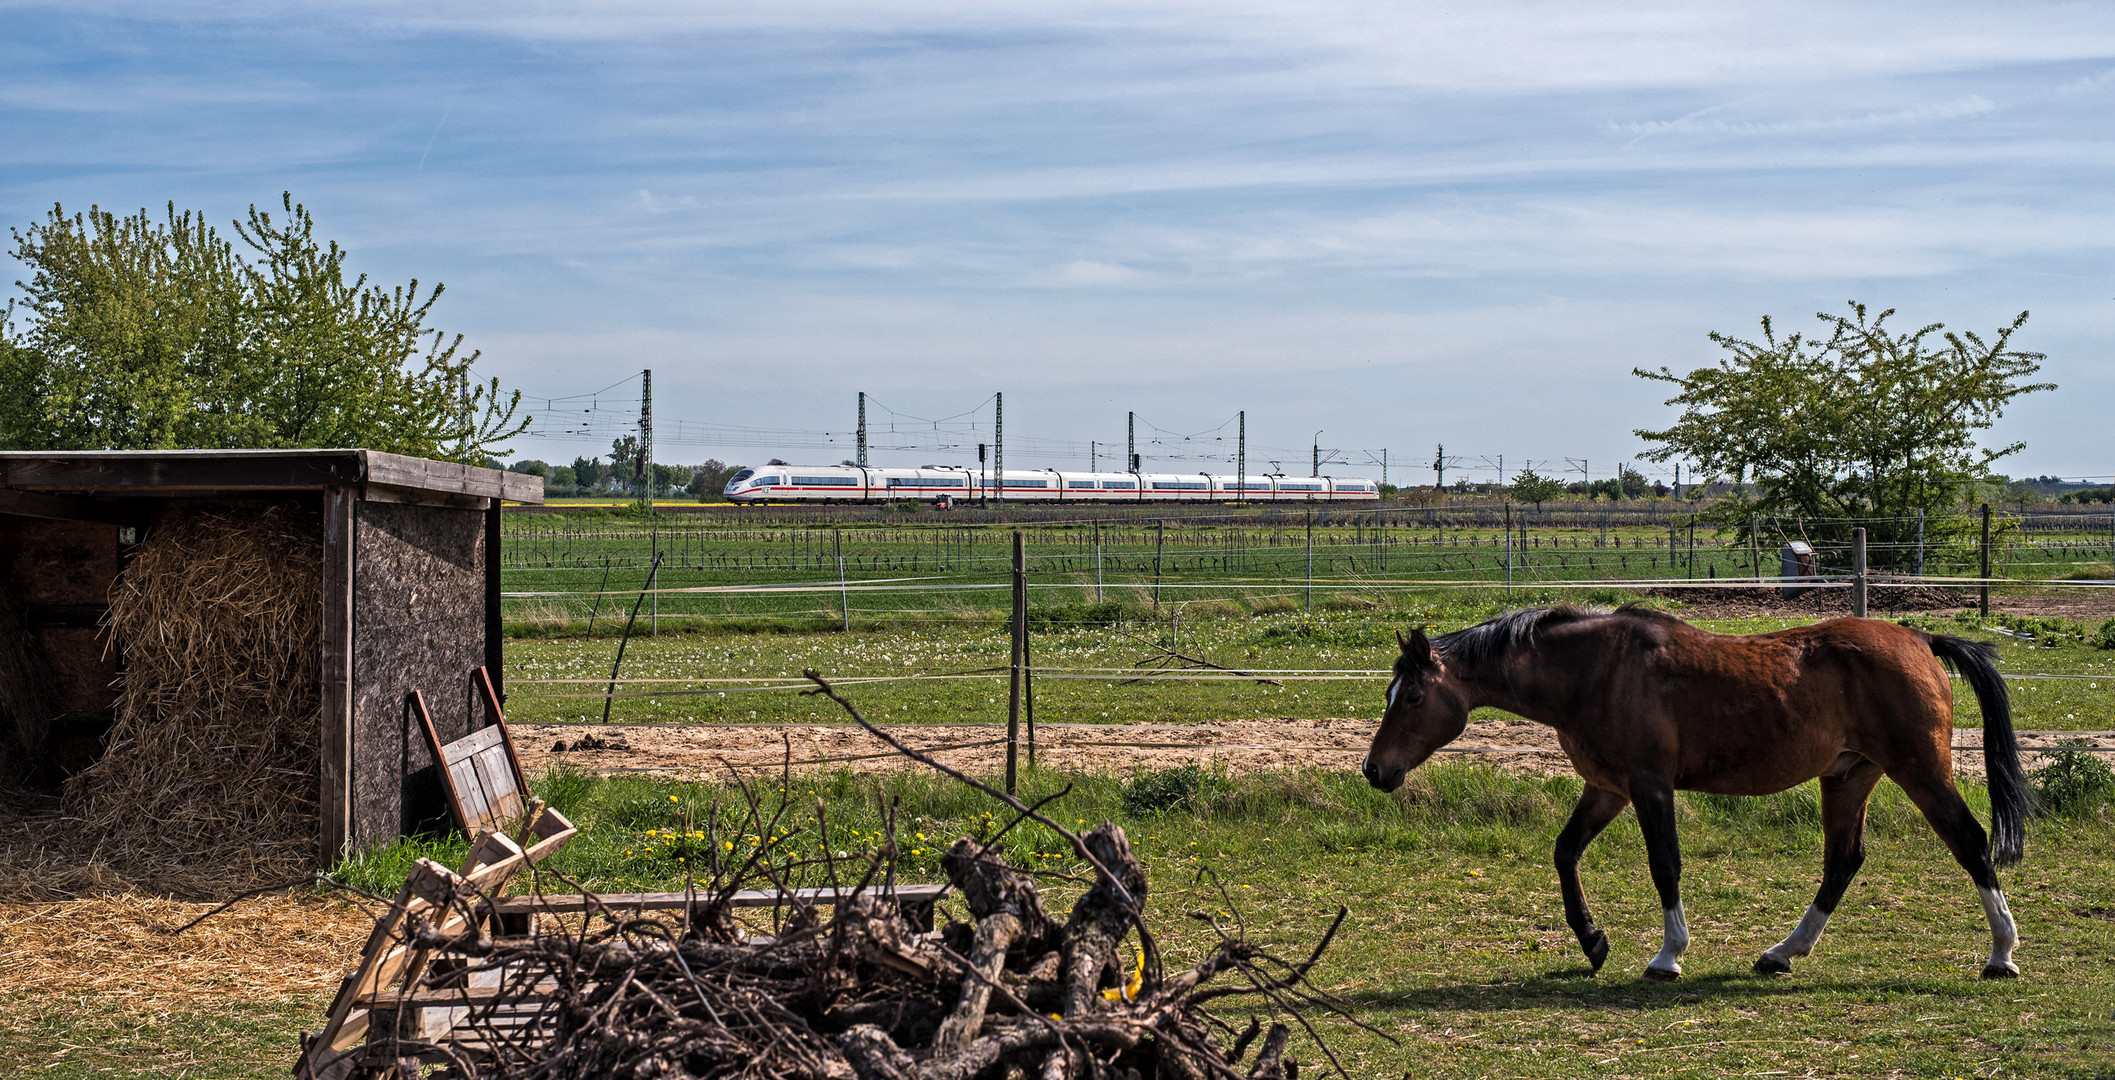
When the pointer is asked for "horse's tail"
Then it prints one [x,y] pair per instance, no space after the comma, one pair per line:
[2010,802]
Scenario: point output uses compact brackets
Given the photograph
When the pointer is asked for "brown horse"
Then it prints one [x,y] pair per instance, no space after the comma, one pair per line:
[1645,704]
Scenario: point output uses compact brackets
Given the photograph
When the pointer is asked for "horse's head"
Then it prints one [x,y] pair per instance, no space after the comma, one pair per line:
[1425,712]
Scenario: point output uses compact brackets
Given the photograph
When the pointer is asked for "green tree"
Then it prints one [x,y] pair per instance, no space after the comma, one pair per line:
[1530,486]
[1864,422]
[140,334]
[588,471]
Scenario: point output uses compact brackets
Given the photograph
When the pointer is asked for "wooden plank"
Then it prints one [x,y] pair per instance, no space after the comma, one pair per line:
[562,904]
[495,774]
[168,471]
[488,688]
[476,742]
[424,474]
[335,829]
[35,504]
[521,488]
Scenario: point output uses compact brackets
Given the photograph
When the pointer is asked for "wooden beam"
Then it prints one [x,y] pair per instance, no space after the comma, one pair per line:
[173,471]
[334,804]
[36,504]
[451,477]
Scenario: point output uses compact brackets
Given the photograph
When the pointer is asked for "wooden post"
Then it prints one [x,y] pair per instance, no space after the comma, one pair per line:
[334,800]
[1310,556]
[495,631]
[1020,650]
[1986,561]
[844,595]
[1160,539]
[1097,561]
[1858,573]
[1755,545]
[1509,551]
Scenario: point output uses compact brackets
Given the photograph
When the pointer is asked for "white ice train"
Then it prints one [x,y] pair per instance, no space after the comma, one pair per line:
[932,483]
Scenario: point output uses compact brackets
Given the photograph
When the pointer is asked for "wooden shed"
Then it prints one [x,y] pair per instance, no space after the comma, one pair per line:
[410,597]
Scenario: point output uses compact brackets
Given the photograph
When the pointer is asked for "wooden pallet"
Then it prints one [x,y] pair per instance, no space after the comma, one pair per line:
[434,906]
[486,788]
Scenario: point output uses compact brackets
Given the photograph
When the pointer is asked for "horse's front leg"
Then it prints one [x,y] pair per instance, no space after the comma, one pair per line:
[1663,850]
[1597,807]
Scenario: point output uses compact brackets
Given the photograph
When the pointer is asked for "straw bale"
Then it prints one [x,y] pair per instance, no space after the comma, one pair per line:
[210,776]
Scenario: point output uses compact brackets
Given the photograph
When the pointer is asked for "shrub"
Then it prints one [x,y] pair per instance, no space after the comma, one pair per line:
[1185,787]
[2105,637]
[2074,782]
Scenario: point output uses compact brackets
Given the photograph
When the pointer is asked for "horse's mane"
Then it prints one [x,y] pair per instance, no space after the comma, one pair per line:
[1495,639]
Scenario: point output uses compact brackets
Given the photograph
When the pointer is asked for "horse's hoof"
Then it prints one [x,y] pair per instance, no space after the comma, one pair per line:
[1653,974]
[1770,965]
[2007,971]
[1596,946]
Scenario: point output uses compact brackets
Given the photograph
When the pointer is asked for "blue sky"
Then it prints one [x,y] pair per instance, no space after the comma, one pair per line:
[1399,223]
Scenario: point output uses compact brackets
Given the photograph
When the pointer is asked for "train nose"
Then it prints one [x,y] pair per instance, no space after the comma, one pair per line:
[1386,779]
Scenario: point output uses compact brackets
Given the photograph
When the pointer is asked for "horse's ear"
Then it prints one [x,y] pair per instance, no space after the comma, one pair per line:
[1416,645]
[1401,641]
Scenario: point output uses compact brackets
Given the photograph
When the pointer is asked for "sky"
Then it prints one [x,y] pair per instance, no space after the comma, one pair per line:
[1370,226]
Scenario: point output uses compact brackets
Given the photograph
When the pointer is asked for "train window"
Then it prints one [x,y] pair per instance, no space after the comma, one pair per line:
[1119,485]
[1179,485]
[1079,483]
[1028,483]
[825,481]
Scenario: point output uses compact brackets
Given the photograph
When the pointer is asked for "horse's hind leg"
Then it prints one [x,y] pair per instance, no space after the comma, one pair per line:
[1963,835]
[1843,799]
[1596,809]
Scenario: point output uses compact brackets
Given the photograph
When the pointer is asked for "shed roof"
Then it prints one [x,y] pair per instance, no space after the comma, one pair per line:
[152,473]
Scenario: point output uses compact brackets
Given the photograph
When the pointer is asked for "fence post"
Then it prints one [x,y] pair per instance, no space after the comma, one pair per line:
[1020,649]
[1755,545]
[1858,573]
[1509,551]
[1920,544]
[1986,561]
[1310,561]
[1160,539]
[844,595]
[1097,561]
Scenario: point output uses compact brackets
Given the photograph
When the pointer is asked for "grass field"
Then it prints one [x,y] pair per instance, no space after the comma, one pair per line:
[1456,944]
[1356,641]
[759,567]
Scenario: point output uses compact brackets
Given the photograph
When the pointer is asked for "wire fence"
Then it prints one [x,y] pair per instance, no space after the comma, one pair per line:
[558,571]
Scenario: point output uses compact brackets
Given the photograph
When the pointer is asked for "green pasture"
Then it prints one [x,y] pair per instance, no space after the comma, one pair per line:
[747,569]
[1297,641]
[1455,945]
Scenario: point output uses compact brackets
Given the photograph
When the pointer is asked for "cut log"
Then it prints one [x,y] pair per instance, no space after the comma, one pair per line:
[1100,920]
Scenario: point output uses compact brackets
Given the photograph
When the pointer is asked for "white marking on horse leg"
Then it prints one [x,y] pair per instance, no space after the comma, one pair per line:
[1673,943]
[1802,939]
[2004,935]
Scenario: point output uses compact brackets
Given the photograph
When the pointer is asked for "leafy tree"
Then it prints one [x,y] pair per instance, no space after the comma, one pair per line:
[1530,486]
[141,334]
[561,477]
[709,481]
[531,467]
[588,470]
[1862,422]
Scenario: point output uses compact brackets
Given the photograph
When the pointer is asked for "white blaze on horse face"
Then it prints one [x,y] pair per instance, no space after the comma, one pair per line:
[2003,934]
[1392,687]
[1802,939]
[1673,943]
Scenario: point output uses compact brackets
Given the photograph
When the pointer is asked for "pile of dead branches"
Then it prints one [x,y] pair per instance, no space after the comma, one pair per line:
[849,984]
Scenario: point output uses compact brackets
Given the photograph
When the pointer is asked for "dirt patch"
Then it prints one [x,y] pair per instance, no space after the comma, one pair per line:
[1242,745]
[705,751]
